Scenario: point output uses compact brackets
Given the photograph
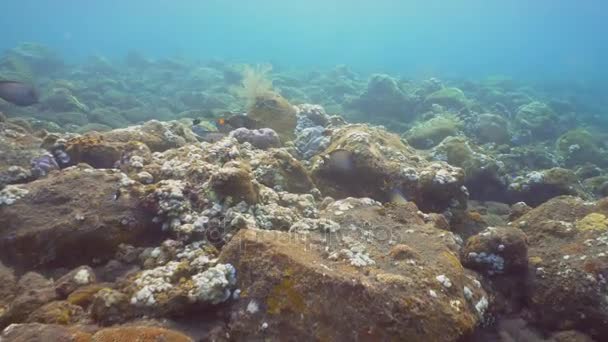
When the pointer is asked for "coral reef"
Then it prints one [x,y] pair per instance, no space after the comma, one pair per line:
[474,217]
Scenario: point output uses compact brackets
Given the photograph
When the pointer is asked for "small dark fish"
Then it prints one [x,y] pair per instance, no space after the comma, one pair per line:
[341,161]
[18,93]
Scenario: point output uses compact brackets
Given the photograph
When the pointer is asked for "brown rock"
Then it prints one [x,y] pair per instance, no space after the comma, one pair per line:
[278,168]
[364,161]
[273,111]
[33,292]
[71,218]
[497,250]
[234,180]
[518,210]
[297,285]
[571,336]
[403,252]
[83,296]
[17,148]
[80,276]
[93,149]
[58,312]
[139,334]
[36,332]
[158,136]
[8,287]
[110,307]
[567,247]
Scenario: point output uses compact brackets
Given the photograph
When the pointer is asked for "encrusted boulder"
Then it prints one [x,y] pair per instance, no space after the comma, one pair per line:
[104,150]
[57,312]
[401,277]
[234,180]
[158,136]
[18,147]
[271,110]
[383,99]
[429,133]
[263,138]
[279,170]
[178,279]
[44,332]
[537,119]
[536,187]
[497,250]
[33,291]
[484,175]
[568,264]
[71,218]
[492,128]
[449,97]
[140,334]
[70,282]
[364,161]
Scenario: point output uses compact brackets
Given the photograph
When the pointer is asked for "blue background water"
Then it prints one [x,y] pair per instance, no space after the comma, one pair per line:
[563,39]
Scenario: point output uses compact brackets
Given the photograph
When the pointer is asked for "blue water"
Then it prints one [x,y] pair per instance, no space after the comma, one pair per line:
[562,39]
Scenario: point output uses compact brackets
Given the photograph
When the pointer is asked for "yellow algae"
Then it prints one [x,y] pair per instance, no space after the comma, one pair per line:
[593,221]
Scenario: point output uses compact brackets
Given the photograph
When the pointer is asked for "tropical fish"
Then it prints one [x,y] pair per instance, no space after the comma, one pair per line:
[18,93]
[340,161]
[232,122]
[396,196]
[204,134]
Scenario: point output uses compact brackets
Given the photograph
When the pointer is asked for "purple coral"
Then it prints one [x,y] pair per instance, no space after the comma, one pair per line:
[43,164]
[262,138]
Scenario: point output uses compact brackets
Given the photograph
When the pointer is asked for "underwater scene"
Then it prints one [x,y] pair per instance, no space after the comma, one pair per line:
[298,170]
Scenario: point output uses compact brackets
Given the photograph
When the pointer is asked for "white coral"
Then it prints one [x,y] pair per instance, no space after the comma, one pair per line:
[213,285]
[11,193]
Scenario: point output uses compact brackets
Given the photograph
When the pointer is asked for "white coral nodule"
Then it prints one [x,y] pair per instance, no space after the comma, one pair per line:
[213,285]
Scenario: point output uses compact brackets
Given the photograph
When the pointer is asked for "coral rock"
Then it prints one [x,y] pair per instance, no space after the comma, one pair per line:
[362,161]
[44,332]
[262,138]
[58,312]
[567,241]
[497,250]
[291,283]
[74,279]
[234,180]
[273,111]
[71,218]
[139,334]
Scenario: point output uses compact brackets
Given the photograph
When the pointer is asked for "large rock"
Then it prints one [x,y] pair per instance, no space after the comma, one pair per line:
[33,292]
[382,100]
[484,175]
[104,150]
[139,334]
[363,161]
[71,218]
[18,148]
[274,111]
[35,332]
[362,272]
[568,264]
[537,187]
